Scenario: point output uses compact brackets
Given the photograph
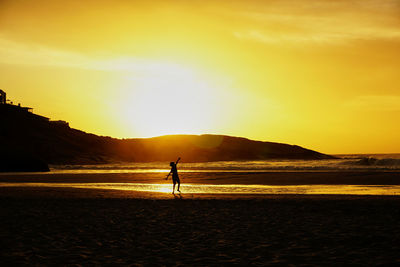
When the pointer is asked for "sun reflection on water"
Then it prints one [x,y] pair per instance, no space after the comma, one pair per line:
[228,189]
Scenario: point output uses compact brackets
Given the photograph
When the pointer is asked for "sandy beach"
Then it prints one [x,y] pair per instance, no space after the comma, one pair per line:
[70,226]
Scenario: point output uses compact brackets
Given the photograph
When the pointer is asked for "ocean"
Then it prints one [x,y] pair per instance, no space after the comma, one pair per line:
[374,174]
[353,162]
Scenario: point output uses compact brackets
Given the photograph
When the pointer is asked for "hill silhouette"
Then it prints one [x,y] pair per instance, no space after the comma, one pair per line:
[25,133]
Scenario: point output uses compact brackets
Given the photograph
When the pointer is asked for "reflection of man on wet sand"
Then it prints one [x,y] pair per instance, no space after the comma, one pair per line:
[175,177]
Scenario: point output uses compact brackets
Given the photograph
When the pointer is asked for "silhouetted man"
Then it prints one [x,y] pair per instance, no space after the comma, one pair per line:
[175,177]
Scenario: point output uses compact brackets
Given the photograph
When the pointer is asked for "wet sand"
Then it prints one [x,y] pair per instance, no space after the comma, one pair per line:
[263,178]
[66,226]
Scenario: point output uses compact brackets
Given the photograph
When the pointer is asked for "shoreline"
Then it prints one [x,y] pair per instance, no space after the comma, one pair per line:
[246,178]
[83,193]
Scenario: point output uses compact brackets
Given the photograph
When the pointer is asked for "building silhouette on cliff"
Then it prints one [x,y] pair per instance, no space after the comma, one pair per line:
[8,107]
[3,98]
[3,101]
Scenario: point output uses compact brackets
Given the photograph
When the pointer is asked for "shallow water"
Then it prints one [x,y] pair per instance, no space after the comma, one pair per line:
[228,189]
[371,162]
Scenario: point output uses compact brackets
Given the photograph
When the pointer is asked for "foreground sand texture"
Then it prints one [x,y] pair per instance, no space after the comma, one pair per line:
[107,227]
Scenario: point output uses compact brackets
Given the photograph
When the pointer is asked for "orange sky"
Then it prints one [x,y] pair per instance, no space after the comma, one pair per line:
[321,74]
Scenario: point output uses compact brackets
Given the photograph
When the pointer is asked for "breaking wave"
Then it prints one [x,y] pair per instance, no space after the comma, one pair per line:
[378,162]
[342,164]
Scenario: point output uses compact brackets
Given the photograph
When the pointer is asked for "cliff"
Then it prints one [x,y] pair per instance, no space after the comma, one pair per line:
[25,133]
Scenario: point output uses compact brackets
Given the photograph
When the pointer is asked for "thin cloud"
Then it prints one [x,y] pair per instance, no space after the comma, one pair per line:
[12,52]
[322,22]
[15,53]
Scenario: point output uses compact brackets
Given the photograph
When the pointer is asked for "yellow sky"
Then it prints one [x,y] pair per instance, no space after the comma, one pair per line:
[321,74]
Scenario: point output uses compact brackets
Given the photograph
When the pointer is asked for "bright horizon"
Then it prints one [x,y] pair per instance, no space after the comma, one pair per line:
[320,74]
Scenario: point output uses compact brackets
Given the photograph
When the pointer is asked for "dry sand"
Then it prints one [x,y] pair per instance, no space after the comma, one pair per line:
[45,226]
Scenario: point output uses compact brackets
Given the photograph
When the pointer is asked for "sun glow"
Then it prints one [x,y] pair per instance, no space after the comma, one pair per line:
[322,74]
[167,98]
